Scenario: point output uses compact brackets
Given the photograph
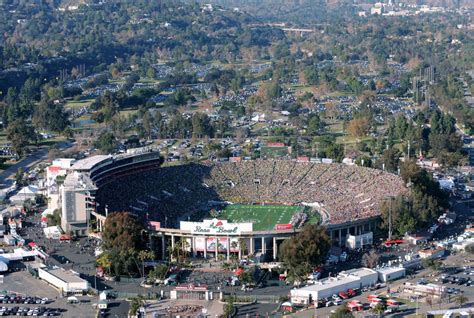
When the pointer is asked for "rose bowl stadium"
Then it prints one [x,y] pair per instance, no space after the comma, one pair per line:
[229,207]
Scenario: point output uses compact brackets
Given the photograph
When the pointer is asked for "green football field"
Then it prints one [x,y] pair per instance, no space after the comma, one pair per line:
[263,217]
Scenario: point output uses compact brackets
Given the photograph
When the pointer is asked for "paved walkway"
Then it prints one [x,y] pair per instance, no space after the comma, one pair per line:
[211,308]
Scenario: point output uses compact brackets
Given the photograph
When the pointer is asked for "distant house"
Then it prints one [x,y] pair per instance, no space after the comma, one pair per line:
[432,253]
[418,238]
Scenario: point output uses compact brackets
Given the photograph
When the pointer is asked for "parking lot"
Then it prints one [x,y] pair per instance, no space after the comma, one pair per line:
[23,285]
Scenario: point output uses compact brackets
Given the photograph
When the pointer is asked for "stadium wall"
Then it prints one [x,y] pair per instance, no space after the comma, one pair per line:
[77,197]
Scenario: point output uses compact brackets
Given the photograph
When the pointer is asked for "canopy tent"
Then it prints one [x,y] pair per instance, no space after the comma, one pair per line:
[47,212]
[287,306]
[239,271]
[65,237]
[3,267]
[29,191]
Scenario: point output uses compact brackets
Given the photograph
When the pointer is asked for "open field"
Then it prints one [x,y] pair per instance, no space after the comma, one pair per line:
[72,104]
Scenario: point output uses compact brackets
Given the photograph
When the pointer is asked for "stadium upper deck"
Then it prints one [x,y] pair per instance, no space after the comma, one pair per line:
[340,192]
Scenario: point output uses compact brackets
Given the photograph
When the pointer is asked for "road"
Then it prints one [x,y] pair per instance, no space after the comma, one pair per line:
[31,160]
[34,158]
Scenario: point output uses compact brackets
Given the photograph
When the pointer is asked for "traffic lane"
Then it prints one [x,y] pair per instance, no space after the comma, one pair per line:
[40,154]
[251,310]
[34,158]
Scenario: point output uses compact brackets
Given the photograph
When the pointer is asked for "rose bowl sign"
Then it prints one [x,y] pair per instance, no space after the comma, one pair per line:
[216,227]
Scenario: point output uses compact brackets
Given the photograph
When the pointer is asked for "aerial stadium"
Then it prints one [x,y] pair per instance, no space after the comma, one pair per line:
[219,209]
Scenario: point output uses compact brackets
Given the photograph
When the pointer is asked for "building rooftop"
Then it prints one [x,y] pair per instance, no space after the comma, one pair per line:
[65,276]
[329,282]
[358,272]
[89,163]
[432,251]
[78,180]
[344,277]
[389,270]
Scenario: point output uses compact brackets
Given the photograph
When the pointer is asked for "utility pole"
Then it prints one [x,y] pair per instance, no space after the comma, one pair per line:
[408,150]
[390,220]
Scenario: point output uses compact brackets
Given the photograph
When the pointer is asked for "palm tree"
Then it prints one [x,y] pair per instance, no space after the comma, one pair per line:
[378,309]
[135,304]
[234,245]
[242,246]
[143,256]
[183,245]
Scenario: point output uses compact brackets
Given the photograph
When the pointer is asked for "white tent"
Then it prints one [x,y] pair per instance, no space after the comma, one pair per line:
[3,267]
[103,296]
[72,300]
[53,232]
[47,212]
[30,191]
[446,184]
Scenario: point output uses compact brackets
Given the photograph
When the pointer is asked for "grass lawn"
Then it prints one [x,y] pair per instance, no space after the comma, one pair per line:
[274,152]
[346,140]
[51,141]
[263,217]
[149,81]
[127,112]
[335,127]
[85,122]
[71,104]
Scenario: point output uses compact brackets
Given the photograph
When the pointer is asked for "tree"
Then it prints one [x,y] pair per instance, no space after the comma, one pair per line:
[307,249]
[431,263]
[201,125]
[315,125]
[159,272]
[461,300]
[246,278]
[106,142]
[104,261]
[229,308]
[379,309]
[143,256]
[20,177]
[335,151]
[470,248]
[401,127]
[150,73]
[135,305]
[242,246]
[390,159]
[20,133]
[342,312]
[54,219]
[403,220]
[359,127]
[50,116]
[122,231]
[183,247]
[370,259]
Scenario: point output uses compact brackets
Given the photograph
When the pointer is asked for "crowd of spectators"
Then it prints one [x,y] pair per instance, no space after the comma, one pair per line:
[170,194]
